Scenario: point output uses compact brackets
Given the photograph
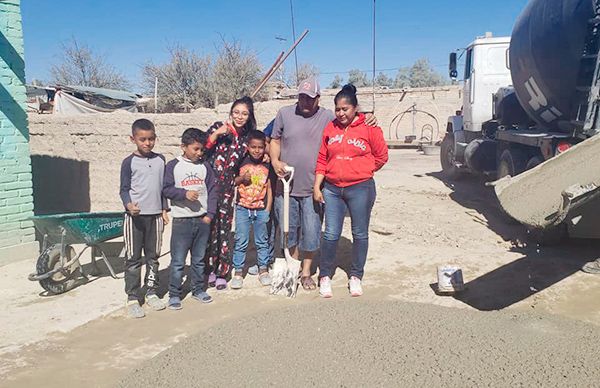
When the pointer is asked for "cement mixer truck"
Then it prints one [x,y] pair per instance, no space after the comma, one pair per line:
[530,115]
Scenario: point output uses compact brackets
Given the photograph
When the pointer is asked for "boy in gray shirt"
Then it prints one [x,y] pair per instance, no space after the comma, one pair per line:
[190,185]
[146,214]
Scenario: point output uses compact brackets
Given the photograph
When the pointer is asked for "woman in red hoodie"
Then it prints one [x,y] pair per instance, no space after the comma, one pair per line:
[350,153]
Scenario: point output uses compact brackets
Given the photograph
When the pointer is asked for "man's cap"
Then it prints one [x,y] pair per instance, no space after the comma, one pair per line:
[310,87]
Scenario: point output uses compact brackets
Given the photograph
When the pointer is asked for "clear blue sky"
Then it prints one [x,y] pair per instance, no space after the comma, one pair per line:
[133,32]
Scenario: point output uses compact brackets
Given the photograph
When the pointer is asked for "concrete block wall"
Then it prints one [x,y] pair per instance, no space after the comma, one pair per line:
[76,159]
[17,238]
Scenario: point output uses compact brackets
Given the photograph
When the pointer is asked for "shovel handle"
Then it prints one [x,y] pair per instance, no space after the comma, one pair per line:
[286,180]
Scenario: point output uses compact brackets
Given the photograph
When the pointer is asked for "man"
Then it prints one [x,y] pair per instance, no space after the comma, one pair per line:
[295,141]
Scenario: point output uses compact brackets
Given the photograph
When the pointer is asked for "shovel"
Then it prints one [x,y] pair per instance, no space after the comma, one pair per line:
[286,269]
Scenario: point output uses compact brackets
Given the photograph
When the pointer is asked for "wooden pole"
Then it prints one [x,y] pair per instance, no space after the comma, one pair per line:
[266,78]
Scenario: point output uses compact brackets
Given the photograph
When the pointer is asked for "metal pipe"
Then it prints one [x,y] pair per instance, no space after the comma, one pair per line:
[296,43]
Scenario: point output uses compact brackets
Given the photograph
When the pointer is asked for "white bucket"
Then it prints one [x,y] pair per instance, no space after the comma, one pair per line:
[429,149]
[450,279]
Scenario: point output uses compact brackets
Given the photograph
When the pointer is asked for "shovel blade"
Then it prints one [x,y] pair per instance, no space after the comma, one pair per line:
[285,277]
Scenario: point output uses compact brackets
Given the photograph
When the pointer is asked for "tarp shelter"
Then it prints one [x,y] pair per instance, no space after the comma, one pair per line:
[39,98]
[70,100]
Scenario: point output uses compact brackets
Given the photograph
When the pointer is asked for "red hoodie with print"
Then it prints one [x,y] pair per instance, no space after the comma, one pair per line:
[351,155]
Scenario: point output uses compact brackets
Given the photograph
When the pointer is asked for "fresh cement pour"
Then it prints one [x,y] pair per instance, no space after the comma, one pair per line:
[365,343]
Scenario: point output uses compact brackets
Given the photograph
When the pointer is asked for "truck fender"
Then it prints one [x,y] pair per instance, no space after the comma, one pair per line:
[455,123]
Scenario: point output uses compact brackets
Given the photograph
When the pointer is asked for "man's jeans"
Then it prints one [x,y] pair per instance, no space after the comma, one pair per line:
[359,199]
[305,222]
[244,220]
[188,235]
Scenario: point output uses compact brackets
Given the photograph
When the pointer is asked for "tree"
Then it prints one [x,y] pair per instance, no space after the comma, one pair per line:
[305,70]
[236,71]
[383,80]
[81,66]
[422,74]
[337,82]
[358,78]
[402,78]
[189,80]
[185,81]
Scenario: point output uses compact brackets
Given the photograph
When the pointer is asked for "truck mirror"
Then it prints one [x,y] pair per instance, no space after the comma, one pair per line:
[452,66]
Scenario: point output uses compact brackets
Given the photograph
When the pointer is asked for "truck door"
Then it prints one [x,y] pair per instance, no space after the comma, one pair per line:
[468,92]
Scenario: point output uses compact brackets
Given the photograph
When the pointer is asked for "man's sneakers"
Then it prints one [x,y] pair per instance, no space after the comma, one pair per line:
[154,302]
[134,310]
[325,287]
[354,286]
[592,267]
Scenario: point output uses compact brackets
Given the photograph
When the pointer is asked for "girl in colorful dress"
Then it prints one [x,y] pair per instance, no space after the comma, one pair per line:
[226,147]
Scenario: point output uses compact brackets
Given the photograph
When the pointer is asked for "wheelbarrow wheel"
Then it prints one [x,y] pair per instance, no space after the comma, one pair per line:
[61,281]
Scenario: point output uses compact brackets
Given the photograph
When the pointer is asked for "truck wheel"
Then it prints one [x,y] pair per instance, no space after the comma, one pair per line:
[532,162]
[512,162]
[449,167]
[59,282]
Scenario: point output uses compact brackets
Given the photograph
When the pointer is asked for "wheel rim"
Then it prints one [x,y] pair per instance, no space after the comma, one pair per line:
[59,275]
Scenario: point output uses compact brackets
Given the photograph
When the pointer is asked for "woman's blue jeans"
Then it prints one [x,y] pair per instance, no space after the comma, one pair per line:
[359,200]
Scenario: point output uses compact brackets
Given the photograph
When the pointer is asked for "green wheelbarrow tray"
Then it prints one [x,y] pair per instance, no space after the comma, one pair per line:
[80,228]
[57,265]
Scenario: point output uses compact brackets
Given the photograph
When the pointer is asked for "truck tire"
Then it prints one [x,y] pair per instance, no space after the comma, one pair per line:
[533,161]
[50,259]
[512,162]
[449,167]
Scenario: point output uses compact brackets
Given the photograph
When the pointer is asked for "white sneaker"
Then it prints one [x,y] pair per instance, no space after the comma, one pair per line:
[355,286]
[325,287]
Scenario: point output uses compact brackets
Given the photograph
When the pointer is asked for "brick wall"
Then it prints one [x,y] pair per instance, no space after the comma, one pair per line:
[16,194]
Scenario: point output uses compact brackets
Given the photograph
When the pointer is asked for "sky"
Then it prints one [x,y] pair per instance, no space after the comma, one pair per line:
[130,33]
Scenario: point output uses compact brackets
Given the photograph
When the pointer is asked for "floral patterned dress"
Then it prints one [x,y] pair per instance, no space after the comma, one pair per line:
[224,157]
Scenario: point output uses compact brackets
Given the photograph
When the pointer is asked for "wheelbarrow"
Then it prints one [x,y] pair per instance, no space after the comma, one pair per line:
[286,269]
[58,269]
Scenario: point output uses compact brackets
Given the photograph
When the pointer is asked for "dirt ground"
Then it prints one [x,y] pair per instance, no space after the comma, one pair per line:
[420,221]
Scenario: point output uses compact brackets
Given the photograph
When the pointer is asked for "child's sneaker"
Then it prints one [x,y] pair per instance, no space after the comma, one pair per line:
[237,281]
[134,310]
[174,303]
[212,279]
[203,297]
[325,287]
[264,278]
[355,286]
[154,302]
[253,270]
[220,284]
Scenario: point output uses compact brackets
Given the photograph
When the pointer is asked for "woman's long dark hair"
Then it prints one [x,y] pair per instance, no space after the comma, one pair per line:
[251,123]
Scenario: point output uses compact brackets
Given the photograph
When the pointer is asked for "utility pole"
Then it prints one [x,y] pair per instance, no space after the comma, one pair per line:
[373,81]
[155,94]
[294,36]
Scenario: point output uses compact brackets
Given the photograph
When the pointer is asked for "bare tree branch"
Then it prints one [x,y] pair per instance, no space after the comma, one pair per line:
[80,66]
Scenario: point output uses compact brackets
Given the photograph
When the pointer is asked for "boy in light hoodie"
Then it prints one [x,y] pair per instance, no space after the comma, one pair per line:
[189,184]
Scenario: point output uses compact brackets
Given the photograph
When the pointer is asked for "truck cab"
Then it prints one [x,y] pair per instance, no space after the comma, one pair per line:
[486,70]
